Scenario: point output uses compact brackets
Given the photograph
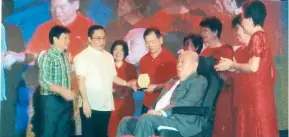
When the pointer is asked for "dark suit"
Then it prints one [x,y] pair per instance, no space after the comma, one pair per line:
[188,93]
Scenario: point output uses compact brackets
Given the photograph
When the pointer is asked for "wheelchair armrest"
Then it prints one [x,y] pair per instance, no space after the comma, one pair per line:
[168,133]
[200,111]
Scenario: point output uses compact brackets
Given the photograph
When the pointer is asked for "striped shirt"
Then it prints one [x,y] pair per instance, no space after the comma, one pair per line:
[54,69]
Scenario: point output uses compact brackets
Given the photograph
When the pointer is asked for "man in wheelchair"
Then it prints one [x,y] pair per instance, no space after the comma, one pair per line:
[181,109]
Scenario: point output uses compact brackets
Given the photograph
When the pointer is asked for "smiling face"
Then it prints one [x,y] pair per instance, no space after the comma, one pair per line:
[153,43]
[187,64]
[208,34]
[241,35]
[98,39]
[136,45]
[62,42]
[63,10]
[125,7]
[118,53]
[247,24]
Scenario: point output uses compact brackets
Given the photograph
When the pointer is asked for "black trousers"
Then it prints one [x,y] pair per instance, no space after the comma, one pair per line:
[96,125]
[57,116]
[144,109]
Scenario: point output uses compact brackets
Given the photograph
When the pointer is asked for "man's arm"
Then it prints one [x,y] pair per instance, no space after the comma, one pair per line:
[80,70]
[171,72]
[85,103]
[45,79]
[82,89]
[192,95]
[31,52]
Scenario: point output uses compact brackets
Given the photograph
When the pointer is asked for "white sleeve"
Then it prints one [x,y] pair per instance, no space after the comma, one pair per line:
[114,72]
[164,114]
[79,66]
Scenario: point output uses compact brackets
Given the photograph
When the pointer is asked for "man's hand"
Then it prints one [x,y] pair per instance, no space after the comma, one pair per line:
[68,95]
[86,109]
[154,113]
[151,88]
[132,84]
[11,58]
[224,65]
[75,114]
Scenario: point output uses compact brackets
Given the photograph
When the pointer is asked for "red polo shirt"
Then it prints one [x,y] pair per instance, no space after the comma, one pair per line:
[78,35]
[160,70]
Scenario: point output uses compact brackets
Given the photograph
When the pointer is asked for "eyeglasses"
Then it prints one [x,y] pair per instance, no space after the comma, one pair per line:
[99,38]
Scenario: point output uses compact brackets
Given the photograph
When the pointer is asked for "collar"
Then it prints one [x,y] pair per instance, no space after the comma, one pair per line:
[162,51]
[56,51]
[90,48]
[190,77]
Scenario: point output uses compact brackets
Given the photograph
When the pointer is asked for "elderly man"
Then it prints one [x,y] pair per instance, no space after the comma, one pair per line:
[186,90]
[136,45]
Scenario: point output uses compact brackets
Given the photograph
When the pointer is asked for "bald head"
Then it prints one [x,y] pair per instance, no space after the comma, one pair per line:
[190,56]
[187,64]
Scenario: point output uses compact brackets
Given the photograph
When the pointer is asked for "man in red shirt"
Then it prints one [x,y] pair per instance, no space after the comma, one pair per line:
[158,63]
[65,13]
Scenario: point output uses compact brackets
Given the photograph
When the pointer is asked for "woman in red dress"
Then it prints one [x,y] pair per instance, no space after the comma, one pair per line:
[123,97]
[241,55]
[256,111]
[211,32]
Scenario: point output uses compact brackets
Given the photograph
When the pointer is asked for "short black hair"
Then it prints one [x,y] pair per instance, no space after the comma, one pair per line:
[213,23]
[197,40]
[255,10]
[152,30]
[94,28]
[56,31]
[236,21]
[124,47]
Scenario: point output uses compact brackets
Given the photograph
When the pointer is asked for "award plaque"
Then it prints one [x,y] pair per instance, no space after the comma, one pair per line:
[143,81]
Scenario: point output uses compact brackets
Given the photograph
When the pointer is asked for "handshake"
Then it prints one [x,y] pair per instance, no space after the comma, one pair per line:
[9,58]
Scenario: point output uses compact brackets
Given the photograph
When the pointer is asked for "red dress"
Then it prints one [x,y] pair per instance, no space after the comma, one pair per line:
[256,112]
[123,102]
[241,55]
[223,114]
